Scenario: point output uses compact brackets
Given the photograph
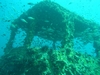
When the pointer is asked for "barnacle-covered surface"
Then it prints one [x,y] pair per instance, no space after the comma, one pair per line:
[51,21]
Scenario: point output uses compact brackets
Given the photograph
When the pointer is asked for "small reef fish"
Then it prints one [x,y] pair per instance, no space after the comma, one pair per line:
[13,9]
[23,20]
[31,18]
[46,21]
[14,26]
[30,3]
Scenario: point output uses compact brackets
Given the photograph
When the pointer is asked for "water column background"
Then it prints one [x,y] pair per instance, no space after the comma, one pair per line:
[11,9]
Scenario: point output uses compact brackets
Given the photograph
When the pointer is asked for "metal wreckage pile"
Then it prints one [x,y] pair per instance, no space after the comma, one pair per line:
[51,21]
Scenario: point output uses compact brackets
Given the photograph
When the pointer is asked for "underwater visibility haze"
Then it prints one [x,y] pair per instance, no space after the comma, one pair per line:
[50,37]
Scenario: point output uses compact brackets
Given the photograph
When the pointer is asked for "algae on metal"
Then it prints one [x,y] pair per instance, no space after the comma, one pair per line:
[53,22]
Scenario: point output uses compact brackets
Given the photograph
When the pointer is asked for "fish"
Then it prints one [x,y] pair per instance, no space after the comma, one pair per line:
[7,20]
[23,20]
[13,25]
[46,21]
[31,18]
[13,9]
[30,3]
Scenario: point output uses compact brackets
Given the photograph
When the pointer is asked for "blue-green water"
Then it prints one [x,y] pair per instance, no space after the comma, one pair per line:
[43,38]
